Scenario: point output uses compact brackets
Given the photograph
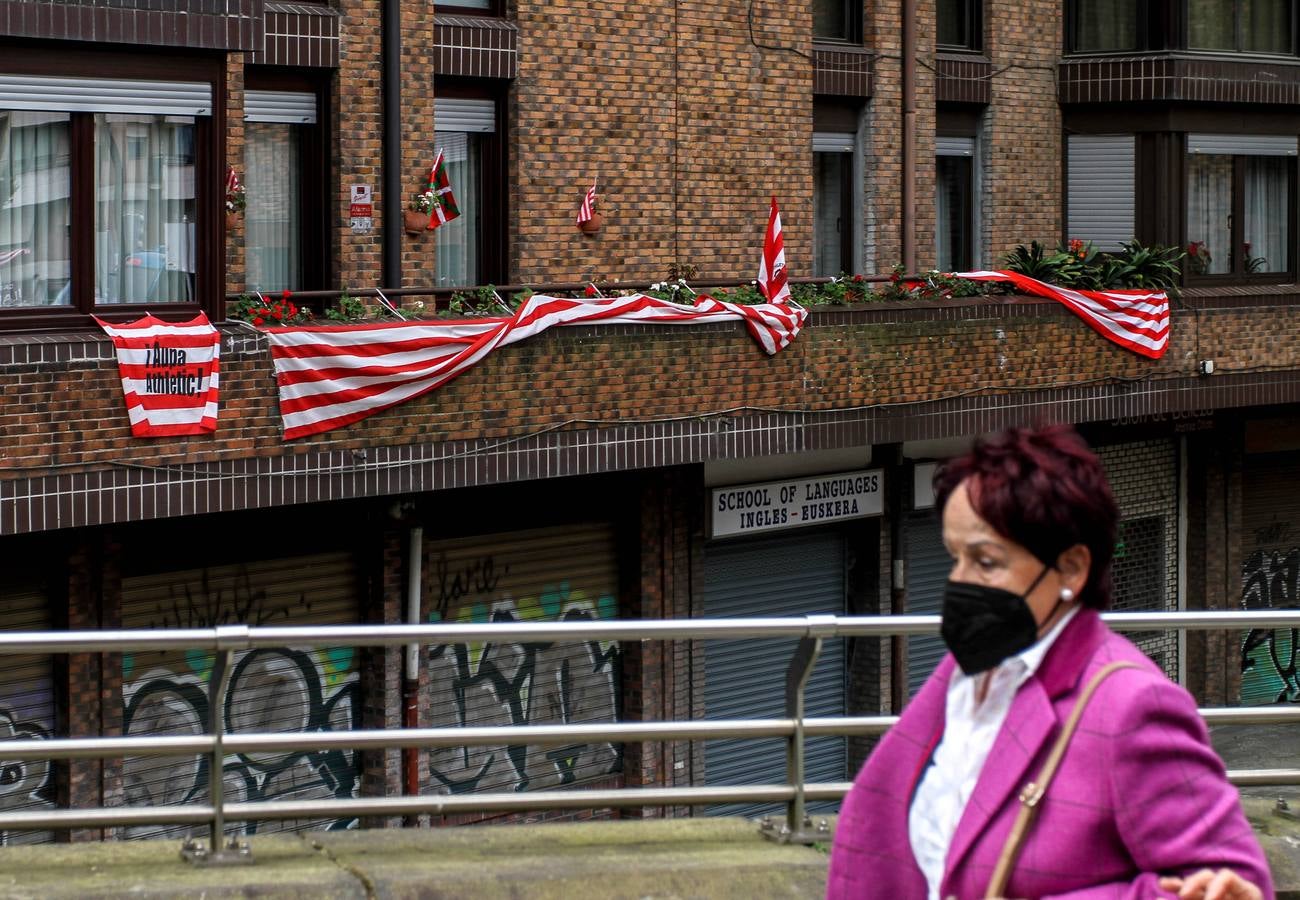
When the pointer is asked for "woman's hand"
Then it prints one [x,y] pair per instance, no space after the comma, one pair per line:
[1224,884]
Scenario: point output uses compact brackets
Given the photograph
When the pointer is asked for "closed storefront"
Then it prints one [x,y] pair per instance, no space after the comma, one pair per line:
[561,574]
[1144,478]
[927,568]
[26,709]
[1270,575]
[283,689]
[782,570]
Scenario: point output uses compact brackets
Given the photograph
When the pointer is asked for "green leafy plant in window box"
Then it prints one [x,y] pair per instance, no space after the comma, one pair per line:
[263,310]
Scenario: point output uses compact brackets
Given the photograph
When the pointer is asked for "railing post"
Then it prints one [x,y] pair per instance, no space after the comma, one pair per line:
[798,827]
[219,852]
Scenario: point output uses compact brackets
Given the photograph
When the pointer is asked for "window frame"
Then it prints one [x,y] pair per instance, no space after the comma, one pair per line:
[970,198]
[974,42]
[853,26]
[1238,274]
[209,164]
[315,188]
[495,10]
[1166,25]
[1185,30]
[492,238]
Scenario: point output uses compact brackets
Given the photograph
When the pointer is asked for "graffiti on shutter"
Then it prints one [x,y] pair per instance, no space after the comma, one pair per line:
[549,575]
[282,689]
[26,713]
[1270,576]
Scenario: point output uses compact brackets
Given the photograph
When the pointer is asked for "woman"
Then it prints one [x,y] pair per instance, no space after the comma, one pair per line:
[1140,806]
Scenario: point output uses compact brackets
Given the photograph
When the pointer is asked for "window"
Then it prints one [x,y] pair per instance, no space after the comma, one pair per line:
[958,24]
[483,7]
[469,248]
[284,232]
[1239,204]
[103,196]
[837,20]
[954,194]
[1246,26]
[1101,192]
[834,235]
[1106,25]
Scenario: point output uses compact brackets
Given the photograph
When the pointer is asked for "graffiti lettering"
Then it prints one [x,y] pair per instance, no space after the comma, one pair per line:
[1272,534]
[24,784]
[479,578]
[1268,656]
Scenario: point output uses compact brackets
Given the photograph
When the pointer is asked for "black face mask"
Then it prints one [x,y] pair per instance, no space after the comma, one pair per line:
[984,625]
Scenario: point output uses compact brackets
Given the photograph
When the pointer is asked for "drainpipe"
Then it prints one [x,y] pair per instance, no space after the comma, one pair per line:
[909,136]
[411,669]
[391,51]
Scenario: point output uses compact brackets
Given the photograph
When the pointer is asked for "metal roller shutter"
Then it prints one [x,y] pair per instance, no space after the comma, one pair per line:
[105,95]
[834,142]
[1270,576]
[928,565]
[790,575]
[26,711]
[455,114]
[1100,192]
[554,574]
[954,146]
[1144,478]
[285,689]
[289,107]
[1242,144]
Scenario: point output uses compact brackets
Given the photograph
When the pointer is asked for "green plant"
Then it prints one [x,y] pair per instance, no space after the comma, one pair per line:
[422,201]
[1253,263]
[522,297]
[745,294]
[346,309]
[269,311]
[481,301]
[932,285]
[1033,261]
[1137,266]
[675,291]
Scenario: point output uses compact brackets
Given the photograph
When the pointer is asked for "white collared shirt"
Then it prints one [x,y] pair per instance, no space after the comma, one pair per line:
[970,729]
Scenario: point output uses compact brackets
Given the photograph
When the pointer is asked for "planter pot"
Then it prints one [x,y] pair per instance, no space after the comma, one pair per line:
[415,222]
[592,225]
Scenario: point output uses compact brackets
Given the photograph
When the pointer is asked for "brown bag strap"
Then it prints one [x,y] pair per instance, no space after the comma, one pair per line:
[1032,794]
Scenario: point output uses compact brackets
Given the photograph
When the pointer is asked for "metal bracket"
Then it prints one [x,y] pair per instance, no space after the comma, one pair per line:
[807,834]
[234,853]
[1284,810]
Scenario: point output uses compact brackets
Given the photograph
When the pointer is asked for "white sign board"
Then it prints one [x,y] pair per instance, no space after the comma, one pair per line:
[795,502]
[361,209]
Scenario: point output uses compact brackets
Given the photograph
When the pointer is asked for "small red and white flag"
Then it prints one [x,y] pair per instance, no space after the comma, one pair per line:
[772,279]
[444,202]
[232,180]
[588,204]
[169,374]
[1135,319]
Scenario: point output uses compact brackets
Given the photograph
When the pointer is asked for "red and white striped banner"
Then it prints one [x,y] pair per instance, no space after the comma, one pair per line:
[1136,319]
[169,374]
[333,375]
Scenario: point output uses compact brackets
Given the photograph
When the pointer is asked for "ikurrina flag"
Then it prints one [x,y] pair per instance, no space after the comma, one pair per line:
[333,375]
[169,374]
[444,202]
[1136,319]
[772,279]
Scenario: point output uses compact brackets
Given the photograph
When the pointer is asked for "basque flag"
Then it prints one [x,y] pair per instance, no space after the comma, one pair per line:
[772,280]
[444,202]
[588,204]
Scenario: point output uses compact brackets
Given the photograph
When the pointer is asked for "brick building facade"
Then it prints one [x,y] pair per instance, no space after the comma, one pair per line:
[576,475]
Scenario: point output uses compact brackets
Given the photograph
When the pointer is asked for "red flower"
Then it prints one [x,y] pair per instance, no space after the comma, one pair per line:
[293,310]
[895,278]
[1076,246]
[859,278]
[285,294]
[591,291]
[257,321]
[263,311]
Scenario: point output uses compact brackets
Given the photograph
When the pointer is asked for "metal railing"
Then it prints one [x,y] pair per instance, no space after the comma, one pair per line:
[225,641]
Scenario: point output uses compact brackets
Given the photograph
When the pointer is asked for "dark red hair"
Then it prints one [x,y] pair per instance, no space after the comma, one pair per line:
[1044,489]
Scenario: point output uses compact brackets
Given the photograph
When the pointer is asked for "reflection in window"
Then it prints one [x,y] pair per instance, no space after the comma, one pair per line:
[1209,213]
[457,258]
[144,209]
[1102,25]
[956,23]
[35,252]
[273,215]
[954,207]
[1267,214]
[1260,242]
[1247,26]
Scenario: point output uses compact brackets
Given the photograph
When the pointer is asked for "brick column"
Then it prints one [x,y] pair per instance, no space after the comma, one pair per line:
[381,671]
[234,157]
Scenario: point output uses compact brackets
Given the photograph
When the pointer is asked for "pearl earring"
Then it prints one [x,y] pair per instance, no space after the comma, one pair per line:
[1066,595]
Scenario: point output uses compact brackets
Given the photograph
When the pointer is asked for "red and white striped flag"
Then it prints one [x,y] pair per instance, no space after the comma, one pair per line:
[333,375]
[1136,319]
[772,279]
[588,204]
[169,374]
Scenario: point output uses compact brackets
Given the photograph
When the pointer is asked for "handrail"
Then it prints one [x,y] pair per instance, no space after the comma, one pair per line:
[227,639]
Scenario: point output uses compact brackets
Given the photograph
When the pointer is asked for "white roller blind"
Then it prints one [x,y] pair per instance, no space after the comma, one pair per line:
[1100,189]
[105,95]
[291,107]
[1242,144]
[833,142]
[954,146]
[456,114]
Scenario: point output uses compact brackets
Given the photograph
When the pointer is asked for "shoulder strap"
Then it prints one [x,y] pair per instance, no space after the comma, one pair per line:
[1032,794]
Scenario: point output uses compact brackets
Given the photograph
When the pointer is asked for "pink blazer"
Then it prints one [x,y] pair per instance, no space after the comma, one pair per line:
[1139,794]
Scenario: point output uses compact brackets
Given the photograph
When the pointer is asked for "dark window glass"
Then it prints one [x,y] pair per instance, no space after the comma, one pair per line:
[1239,214]
[1246,26]
[832,213]
[954,199]
[833,20]
[958,24]
[1106,25]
